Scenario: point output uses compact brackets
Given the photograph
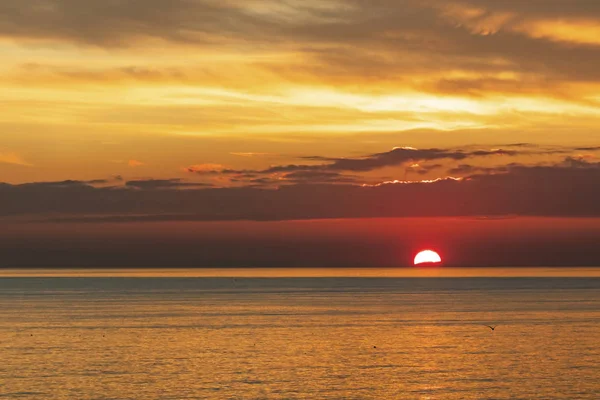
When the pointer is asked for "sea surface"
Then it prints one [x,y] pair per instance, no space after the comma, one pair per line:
[66,335]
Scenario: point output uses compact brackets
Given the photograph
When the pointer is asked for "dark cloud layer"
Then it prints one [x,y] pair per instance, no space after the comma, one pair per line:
[151,184]
[571,188]
[352,170]
[391,158]
[66,183]
[395,157]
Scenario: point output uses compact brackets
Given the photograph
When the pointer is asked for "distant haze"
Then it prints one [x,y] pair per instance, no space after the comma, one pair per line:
[325,243]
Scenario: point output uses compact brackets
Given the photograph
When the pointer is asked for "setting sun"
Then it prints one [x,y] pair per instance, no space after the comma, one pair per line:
[427,256]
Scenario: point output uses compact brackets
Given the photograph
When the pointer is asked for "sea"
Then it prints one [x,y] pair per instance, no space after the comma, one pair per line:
[300,334]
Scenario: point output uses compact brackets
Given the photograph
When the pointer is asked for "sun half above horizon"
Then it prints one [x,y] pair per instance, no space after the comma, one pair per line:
[427,257]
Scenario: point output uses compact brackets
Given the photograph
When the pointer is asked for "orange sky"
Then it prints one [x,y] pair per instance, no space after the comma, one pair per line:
[119,117]
[145,89]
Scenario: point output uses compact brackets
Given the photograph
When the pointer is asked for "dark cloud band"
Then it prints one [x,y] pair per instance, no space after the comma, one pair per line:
[569,189]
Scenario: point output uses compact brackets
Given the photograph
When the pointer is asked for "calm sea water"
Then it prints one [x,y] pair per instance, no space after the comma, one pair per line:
[299,338]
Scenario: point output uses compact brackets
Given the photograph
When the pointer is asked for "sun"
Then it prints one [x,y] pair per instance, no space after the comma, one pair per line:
[427,257]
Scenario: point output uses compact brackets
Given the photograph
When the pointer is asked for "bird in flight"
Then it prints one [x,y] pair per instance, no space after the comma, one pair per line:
[491,327]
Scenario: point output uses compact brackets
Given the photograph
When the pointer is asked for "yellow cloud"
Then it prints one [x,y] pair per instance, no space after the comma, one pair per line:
[182,79]
[478,20]
[573,31]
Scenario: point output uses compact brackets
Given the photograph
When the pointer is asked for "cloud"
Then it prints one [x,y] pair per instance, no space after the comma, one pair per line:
[360,169]
[14,159]
[249,154]
[580,161]
[423,169]
[296,177]
[97,182]
[394,157]
[62,184]
[564,189]
[380,41]
[589,148]
[81,75]
[205,168]
[153,184]
[468,169]
[332,166]
[318,177]
[135,163]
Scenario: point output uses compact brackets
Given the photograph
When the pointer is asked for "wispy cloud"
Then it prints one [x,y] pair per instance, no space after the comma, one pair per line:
[205,168]
[249,154]
[154,184]
[393,39]
[135,163]
[13,158]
